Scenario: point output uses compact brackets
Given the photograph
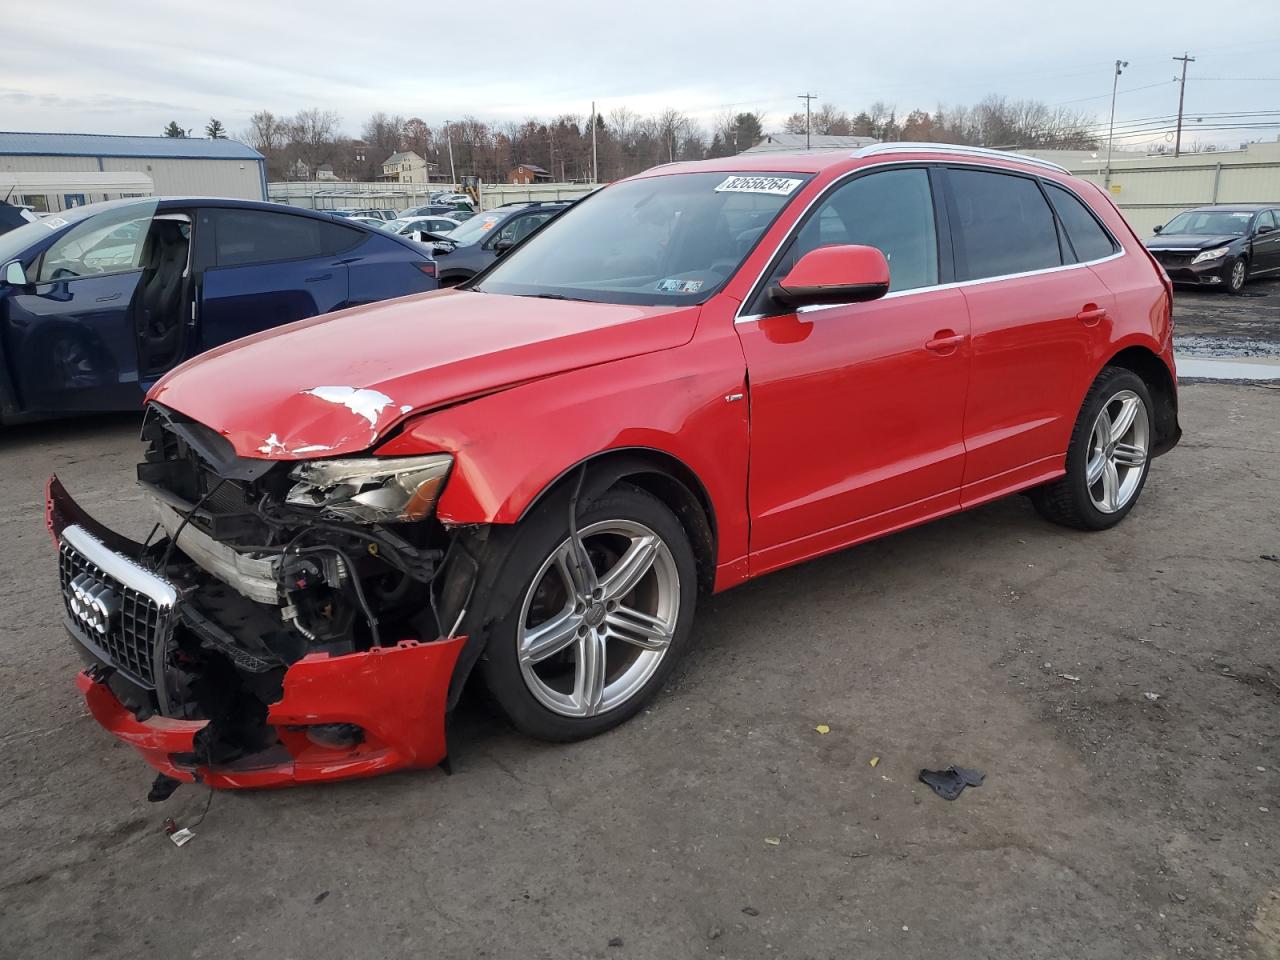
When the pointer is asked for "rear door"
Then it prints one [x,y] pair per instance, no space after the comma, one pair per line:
[70,336]
[258,269]
[1036,317]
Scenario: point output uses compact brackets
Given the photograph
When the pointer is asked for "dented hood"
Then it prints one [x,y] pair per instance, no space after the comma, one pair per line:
[335,384]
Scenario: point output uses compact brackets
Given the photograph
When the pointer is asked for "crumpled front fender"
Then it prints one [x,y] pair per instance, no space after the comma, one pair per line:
[395,694]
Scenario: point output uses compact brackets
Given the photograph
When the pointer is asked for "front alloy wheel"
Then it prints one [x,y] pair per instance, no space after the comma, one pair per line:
[580,638]
[595,628]
[1237,272]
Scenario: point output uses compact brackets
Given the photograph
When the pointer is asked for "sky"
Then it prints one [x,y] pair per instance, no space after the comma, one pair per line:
[130,67]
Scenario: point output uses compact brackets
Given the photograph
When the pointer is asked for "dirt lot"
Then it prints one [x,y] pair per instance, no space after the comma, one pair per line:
[1212,324]
[720,823]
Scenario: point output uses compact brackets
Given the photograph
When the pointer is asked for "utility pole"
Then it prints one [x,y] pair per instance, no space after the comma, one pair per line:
[808,99]
[1182,90]
[1111,131]
[453,173]
[595,168]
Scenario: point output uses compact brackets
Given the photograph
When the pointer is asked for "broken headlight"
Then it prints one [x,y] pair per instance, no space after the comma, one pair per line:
[369,489]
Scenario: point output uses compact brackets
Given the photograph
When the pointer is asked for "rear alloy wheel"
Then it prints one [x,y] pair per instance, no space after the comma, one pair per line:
[1235,274]
[591,637]
[1108,458]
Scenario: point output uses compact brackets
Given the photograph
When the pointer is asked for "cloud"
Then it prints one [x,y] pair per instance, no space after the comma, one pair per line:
[130,66]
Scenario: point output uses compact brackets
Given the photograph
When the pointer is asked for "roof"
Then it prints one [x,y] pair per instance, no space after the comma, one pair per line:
[816,161]
[782,142]
[532,166]
[121,182]
[1227,207]
[109,145]
[401,155]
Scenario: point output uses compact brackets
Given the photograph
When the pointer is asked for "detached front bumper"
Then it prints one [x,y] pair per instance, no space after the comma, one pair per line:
[337,716]
[395,695]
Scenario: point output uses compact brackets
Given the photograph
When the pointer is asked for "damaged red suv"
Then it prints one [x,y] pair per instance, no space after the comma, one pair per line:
[690,378]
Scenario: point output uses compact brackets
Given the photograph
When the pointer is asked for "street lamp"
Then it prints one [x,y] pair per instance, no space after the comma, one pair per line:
[1115,81]
[448,133]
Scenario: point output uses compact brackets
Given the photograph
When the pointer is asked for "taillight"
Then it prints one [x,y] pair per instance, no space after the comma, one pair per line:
[427,266]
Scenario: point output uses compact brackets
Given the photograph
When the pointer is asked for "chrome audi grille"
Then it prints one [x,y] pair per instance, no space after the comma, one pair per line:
[117,608]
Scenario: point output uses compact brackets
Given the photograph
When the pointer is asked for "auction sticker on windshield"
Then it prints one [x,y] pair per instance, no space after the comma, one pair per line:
[779,186]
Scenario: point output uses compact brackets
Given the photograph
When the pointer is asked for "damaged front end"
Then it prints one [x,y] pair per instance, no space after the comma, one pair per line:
[286,622]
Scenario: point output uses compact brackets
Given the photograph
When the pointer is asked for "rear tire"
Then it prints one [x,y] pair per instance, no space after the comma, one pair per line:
[1108,457]
[565,664]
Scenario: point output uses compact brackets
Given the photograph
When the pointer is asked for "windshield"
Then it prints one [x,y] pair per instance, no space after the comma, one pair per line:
[395,226]
[1210,222]
[667,239]
[14,243]
[476,227]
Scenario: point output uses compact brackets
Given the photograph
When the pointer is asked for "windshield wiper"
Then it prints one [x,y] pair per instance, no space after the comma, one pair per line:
[555,296]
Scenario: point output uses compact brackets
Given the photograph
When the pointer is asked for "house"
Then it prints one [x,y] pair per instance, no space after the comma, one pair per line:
[325,172]
[527,173]
[406,166]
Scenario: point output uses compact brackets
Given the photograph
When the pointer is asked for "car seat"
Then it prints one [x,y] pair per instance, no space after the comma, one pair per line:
[164,259]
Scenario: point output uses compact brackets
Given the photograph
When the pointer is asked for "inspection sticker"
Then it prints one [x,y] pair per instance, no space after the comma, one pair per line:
[780,186]
[53,223]
[679,286]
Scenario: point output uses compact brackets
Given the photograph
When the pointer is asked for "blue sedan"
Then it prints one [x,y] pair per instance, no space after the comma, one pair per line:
[98,302]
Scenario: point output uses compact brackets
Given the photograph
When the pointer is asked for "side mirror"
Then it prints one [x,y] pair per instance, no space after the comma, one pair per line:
[502,246]
[14,274]
[1158,228]
[845,273]
[1264,228]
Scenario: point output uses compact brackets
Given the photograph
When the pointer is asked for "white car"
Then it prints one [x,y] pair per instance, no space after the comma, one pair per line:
[405,226]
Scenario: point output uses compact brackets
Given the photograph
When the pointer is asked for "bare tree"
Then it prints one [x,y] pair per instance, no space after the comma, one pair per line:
[313,136]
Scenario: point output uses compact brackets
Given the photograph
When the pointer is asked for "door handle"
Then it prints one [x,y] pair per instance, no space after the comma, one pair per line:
[1091,314]
[945,342]
[109,297]
[319,277]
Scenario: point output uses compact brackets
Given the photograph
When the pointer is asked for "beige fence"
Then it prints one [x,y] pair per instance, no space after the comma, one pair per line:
[1150,190]
[337,195]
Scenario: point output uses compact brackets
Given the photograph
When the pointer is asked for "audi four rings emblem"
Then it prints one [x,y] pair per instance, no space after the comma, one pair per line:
[94,603]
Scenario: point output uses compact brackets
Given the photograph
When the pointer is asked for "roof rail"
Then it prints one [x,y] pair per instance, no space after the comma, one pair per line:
[877,148]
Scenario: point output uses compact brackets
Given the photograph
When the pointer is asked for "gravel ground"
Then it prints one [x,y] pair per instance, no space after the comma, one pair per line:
[720,822]
[1209,323]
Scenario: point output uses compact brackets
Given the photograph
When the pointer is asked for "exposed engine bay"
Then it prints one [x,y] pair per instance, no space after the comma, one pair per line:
[270,563]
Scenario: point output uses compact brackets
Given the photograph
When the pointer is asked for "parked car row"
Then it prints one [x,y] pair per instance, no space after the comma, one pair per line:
[686,380]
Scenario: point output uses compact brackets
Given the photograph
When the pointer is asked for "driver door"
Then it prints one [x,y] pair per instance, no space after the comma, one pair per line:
[857,410]
[70,333]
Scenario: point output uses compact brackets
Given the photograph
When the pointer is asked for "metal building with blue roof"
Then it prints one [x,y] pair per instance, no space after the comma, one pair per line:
[121,165]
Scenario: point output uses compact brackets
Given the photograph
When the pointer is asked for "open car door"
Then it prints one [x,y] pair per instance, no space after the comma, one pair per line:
[70,335]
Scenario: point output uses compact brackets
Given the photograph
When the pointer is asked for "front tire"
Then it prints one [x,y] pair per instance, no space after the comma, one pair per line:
[582,648]
[1108,458]
[1234,275]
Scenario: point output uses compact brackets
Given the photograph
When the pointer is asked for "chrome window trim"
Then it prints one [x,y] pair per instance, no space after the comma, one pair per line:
[752,293]
[940,286]
[875,149]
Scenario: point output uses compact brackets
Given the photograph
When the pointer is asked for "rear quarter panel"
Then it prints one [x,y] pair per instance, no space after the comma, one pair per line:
[381,268]
[1143,313]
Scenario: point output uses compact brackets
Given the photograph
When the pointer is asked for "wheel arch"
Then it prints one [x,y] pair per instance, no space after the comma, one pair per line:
[657,472]
[1155,373]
